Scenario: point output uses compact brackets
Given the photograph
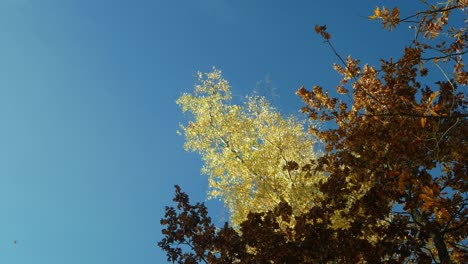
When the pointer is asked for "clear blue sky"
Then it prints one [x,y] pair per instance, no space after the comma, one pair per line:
[88,149]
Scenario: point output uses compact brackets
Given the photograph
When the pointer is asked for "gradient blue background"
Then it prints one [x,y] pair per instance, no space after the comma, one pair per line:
[88,149]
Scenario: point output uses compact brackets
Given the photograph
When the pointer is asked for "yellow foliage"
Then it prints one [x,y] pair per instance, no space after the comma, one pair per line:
[248,150]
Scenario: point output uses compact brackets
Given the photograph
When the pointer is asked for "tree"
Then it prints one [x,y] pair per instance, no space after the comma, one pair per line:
[395,162]
[253,156]
[190,237]
[400,138]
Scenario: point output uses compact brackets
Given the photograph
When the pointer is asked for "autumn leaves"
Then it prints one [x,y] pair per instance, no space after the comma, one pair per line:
[397,140]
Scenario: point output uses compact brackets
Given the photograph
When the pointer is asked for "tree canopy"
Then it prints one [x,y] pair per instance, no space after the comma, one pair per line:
[252,154]
[391,186]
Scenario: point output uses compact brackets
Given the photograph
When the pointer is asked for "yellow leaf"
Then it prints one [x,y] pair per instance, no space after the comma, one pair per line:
[423,121]
[376,13]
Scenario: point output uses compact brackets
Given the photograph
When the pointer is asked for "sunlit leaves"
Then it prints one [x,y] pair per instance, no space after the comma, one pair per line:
[395,127]
[251,153]
[389,19]
[395,159]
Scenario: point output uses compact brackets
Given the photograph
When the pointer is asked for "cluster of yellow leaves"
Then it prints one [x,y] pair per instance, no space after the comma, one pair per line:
[252,155]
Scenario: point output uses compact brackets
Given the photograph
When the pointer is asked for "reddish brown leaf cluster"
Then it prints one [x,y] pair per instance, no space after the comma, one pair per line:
[261,240]
[322,30]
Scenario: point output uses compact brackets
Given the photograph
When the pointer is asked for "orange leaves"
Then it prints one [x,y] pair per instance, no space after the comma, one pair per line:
[316,99]
[389,19]
[376,134]
[432,97]
[461,76]
[435,23]
[442,214]
[349,71]
[433,202]
[376,158]
[395,14]
[430,197]
[423,122]
[432,109]
[428,108]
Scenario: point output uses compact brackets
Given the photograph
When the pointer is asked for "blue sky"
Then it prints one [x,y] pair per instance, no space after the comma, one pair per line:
[88,149]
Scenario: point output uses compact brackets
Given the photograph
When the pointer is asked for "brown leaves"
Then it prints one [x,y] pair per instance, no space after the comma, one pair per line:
[393,138]
[429,197]
[189,226]
[189,237]
[322,31]
[342,90]
[291,166]
[403,181]
[392,134]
